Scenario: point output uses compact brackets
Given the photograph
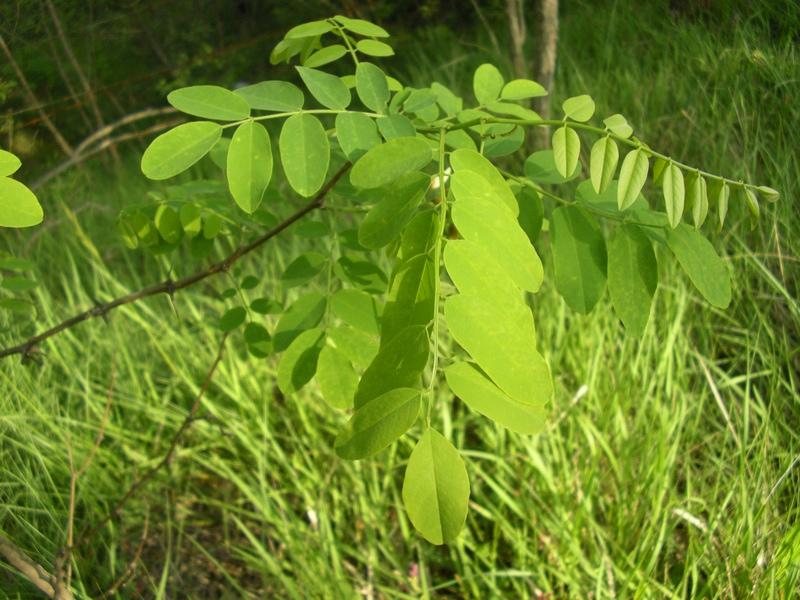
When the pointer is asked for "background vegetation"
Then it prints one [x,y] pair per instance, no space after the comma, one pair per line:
[670,467]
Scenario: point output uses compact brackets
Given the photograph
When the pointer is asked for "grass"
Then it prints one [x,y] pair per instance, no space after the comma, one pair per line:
[669,468]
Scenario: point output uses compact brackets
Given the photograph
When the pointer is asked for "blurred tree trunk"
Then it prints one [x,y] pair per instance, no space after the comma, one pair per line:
[546,32]
[515,11]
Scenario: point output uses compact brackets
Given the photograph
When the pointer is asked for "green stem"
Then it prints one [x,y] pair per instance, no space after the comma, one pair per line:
[346,39]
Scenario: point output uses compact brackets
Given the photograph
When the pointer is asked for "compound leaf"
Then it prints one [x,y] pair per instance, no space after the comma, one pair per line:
[306,312]
[210,102]
[674,193]
[701,263]
[178,149]
[276,96]
[249,165]
[298,364]
[18,205]
[604,159]
[305,153]
[566,150]
[372,86]
[329,90]
[579,108]
[470,160]
[632,276]
[303,269]
[385,163]
[336,378]
[632,176]
[358,309]
[487,83]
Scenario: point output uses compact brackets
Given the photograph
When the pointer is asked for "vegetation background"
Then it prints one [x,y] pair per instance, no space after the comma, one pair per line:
[670,467]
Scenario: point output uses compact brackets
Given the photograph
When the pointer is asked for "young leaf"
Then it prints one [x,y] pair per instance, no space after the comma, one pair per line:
[386,163]
[579,257]
[579,108]
[210,102]
[377,424]
[358,309]
[325,56]
[541,168]
[499,234]
[249,165]
[276,96]
[179,148]
[305,153]
[311,29]
[674,193]
[384,222]
[721,194]
[472,386]
[9,163]
[697,198]
[357,134]
[752,206]
[436,489]
[487,83]
[374,48]
[398,363]
[305,313]
[298,364]
[604,158]
[701,263]
[632,176]
[566,150]
[361,274]
[521,89]
[372,86]
[470,160]
[303,269]
[336,378]
[18,205]
[768,193]
[632,276]
[328,89]
[362,27]
[618,125]
[232,319]
[502,345]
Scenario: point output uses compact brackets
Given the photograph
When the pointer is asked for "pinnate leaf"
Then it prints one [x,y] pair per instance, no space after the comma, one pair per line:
[359,309]
[566,150]
[361,27]
[674,193]
[374,48]
[471,160]
[18,205]
[329,90]
[303,269]
[249,165]
[305,153]
[701,263]
[632,176]
[298,364]
[579,108]
[618,125]
[372,86]
[487,83]
[632,276]
[520,89]
[277,96]
[384,222]
[178,149]
[604,158]
[357,134]
[386,163]
[325,56]
[336,378]
[9,163]
[306,312]
[210,102]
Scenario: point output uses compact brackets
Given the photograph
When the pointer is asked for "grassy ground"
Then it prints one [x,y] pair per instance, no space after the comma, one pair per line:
[669,468]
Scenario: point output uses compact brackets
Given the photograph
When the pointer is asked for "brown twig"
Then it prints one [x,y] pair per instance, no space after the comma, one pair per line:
[131,568]
[169,286]
[31,570]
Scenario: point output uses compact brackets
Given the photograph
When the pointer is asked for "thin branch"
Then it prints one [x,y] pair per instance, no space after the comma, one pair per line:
[131,568]
[169,286]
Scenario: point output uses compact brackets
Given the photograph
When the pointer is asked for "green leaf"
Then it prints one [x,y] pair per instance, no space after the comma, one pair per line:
[17,265]
[376,425]
[420,100]
[459,139]
[298,364]
[128,234]
[395,126]
[305,153]
[19,284]
[566,150]
[384,222]
[618,125]
[436,489]
[768,193]
[487,83]
[531,213]
[357,134]
[325,56]
[359,347]
[386,163]
[541,168]
[312,230]
[579,257]
[168,224]
[305,313]
[720,193]
[358,309]
[398,364]
[374,48]
[178,149]
[265,306]
[201,247]
[190,219]
[232,318]
[258,340]
[499,234]
[412,296]
[632,176]
[503,345]
[336,378]
[471,385]
[310,29]
[420,236]
[503,144]
[632,276]
[470,160]
[212,226]
[604,159]
[448,101]
[361,273]
[674,193]
[361,27]
[579,108]
[9,163]
[250,282]
[276,96]
[210,102]
[372,86]
[701,263]
[475,272]
[697,198]
[303,269]
[752,206]
[249,165]
[18,205]
[520,89]
[328,89]
[513,110]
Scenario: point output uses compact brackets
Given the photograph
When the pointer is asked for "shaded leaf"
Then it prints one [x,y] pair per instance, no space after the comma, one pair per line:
[303,269]
[232,318]
[357,134]
[325,56]
[305,313]
[395,126]
[384,222]
[258,340]
[168,224]
[336,378]
[359,347]
[632,276]
[412,296]
[298,365]
[361,273]
[541,168]
[358,309]
[372,86]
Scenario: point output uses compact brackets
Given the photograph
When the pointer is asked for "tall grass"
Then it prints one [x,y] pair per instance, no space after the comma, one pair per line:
[669,468]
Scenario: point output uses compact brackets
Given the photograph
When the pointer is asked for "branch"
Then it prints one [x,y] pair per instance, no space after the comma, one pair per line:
[32,571]
[169,286]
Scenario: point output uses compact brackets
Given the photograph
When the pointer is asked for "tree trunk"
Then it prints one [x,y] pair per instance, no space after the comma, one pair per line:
[546,28]
[515,12]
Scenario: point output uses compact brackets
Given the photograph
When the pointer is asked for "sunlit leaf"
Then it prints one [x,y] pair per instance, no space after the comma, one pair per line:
[336,378]
[303,269]
[632,176]
[470,160]
[359,347]
[249,165]
[325,56]
[579,108]
[487,83]
[362,27]
[328,89]
[386,163]
[374,48]
[210,102]
[566,150]
[618,125]
[9,163]
[305,313]
[520,89]
[359,309]
[412,296]
[384,222]
[305,153]
[674,193]
[277,96]
[18,205]
[701,263]
[541,168]
[298,364]
[632,276]
[603,161]
[178,149]
[372,86]
[395,126]
[311,29]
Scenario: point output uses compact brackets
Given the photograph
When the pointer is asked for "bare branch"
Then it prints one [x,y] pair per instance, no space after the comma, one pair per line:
[32,571]
[169,286]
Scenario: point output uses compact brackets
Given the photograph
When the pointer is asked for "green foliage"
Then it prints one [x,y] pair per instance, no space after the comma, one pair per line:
[18,205]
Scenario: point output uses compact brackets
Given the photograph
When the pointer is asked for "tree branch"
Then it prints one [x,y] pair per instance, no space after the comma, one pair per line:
[169,286]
